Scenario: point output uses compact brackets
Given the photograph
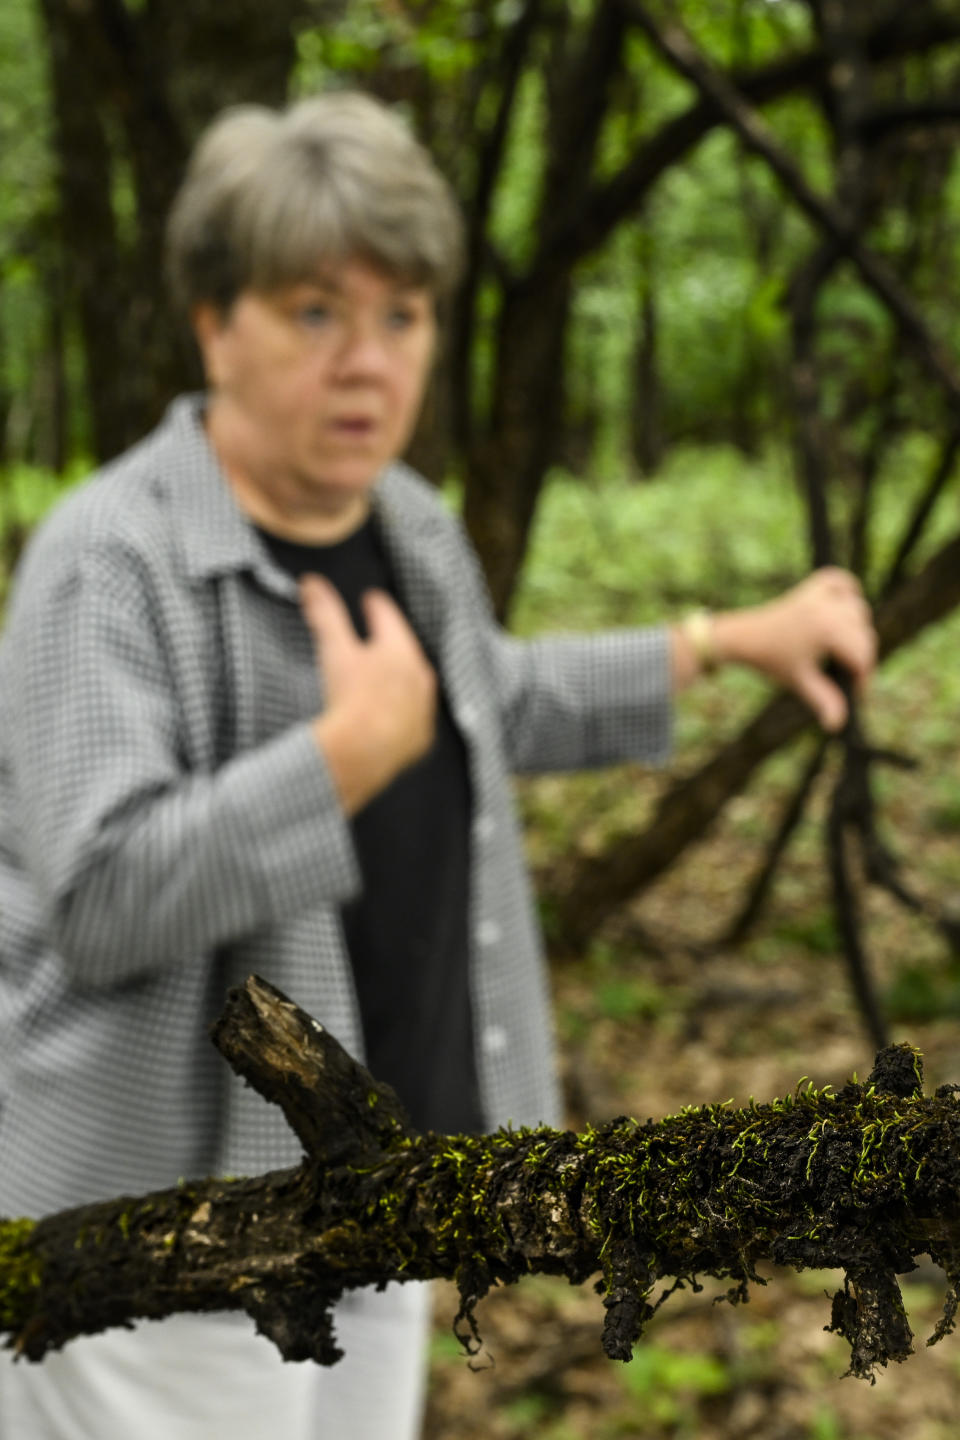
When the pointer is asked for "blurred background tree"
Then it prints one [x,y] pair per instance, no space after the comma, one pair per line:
[629,258]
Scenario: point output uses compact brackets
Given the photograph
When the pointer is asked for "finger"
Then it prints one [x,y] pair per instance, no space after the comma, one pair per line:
[837,581]
[872,649]
[824,697]
[855,647]
[325,613]
[386,622]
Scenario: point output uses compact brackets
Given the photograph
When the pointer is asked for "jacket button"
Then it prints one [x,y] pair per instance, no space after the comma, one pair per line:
[494,1040]
[467,717]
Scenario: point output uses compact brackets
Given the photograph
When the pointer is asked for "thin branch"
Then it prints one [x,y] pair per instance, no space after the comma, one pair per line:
[744,921]
[610,202]
[883,870]
[926,114]
[490,155]
[841,25]
[805,286]
[941,473]
[513,57]
[884,429]
[676,46]
[851,812]
[579,108]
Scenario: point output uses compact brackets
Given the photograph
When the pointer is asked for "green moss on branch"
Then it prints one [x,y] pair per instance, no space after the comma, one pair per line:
[20,1271]
[863,1180]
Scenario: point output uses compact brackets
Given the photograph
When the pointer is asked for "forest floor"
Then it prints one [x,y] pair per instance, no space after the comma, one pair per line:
[648,1025]
[645,1034]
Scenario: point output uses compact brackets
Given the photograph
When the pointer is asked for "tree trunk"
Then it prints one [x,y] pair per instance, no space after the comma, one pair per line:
[861,1180]
[96,275]
[51,440]
[646,418]
[508,460]
[131,91]
[508,464]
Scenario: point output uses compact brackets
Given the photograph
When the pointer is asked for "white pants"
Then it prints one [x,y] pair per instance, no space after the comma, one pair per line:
[211,1377]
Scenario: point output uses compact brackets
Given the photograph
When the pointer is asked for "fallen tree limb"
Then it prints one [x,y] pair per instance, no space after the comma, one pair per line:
[862,1180]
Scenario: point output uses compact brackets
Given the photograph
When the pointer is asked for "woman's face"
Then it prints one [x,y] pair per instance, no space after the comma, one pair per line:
[313,389]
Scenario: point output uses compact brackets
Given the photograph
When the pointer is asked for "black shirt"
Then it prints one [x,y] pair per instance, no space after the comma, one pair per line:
[407,933]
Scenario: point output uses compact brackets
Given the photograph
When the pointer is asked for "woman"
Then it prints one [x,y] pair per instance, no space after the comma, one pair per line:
[255,715]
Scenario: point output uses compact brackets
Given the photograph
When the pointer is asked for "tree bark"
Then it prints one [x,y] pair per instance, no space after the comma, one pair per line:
[509,460]
[862,1180]
[96,278]
[507,456]
[646,416]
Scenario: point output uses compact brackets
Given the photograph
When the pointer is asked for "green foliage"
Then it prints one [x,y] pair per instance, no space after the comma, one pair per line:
[815,930]
[444,1345]
[654,1370]
[353,46]
[713,526]
[26,167]
[26,198]
[924,992]
[19,1267]
[618,992]
[630,998]
[916,700]
[527,1410]
[441,40]
[945,811]
[667,1384]
[514,218]
[27,492]
[825,1425]
[755,31]
[908,464]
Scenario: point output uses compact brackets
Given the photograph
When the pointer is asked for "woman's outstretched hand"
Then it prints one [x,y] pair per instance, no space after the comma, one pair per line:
[825,617]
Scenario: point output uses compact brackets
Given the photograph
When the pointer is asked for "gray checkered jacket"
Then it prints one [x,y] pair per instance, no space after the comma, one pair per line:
[167,824]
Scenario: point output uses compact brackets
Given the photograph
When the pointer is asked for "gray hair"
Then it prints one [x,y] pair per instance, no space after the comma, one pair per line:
[270,196]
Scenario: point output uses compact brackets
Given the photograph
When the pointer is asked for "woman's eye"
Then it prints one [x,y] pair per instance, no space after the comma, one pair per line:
[315,315]
[401,318]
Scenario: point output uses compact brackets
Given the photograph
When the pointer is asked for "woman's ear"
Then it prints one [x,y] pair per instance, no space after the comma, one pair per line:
[209,321]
